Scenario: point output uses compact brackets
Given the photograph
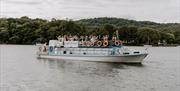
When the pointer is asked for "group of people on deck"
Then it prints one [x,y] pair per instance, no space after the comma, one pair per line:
[86,38]
[92,40]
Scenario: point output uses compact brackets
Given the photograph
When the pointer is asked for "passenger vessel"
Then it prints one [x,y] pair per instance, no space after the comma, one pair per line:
[90,49]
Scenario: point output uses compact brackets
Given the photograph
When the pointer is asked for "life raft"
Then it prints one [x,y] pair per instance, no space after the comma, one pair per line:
[99,43]
[91,43]
[105,43]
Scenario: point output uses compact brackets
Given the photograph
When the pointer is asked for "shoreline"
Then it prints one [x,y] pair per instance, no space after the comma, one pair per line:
[123,45]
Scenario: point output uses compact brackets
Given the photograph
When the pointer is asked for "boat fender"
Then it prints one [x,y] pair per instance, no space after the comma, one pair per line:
[99,43]
[50,48]
[105,43]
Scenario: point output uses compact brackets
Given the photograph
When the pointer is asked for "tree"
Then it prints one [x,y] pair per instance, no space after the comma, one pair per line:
[128,34]
[4,36]
[177,36]
[25,30]
[109,30]
[167,37]
[148,35]
[14,39]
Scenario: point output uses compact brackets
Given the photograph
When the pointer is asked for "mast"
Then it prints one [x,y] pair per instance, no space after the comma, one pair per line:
[117,34]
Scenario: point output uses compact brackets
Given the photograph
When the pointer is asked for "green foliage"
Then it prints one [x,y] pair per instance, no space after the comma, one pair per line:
[168,37]
[14,39]
[128,34]
[30,31]
[148,35]
[25,30]
[177,36]
[109,28]
[169,31]
[4,35]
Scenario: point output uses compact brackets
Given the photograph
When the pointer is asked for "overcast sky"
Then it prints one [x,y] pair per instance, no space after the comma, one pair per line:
[148,10]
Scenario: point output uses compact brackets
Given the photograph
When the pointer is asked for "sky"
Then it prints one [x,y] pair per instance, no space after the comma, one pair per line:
[162,11]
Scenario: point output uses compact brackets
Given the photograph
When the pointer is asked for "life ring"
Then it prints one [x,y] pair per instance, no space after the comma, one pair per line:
[117,43]
[92,44]
[99,43]
[40,49]
[105,43]
[50,48]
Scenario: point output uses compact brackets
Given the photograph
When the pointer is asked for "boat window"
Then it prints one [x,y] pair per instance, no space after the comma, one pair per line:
[84,53]
[136,52]
[126,53]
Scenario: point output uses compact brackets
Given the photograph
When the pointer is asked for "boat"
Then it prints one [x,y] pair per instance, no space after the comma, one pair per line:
[103,50]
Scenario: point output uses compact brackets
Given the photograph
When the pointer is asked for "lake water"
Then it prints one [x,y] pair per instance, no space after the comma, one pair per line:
[21,71]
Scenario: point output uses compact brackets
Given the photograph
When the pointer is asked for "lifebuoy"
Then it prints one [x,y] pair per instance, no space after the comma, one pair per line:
[105,43]
[50,48]
[99,43]
[117,43]
[92,44]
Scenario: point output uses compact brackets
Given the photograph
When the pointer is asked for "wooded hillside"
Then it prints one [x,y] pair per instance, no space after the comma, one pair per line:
[25,30]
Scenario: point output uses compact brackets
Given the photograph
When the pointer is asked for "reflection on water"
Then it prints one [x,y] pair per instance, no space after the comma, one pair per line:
[21,71]
[85,68]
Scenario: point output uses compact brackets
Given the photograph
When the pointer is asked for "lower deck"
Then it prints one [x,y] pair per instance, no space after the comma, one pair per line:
[90,51]
[102,58]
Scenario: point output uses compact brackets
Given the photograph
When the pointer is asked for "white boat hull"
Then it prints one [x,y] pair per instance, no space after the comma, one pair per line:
[120,58]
